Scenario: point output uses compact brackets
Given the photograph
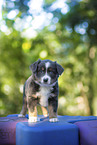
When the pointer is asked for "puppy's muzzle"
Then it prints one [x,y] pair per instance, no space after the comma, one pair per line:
[45,80]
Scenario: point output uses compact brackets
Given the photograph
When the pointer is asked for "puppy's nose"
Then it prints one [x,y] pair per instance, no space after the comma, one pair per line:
[45,80]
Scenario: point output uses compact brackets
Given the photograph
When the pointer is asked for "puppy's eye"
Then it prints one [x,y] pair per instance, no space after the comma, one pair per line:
[50,69]
[42,68]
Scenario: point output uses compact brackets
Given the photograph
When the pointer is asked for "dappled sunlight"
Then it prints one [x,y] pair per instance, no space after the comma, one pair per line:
[26,46]
[92,52]
[62,102]
[61,5]
[29,33]
[73,107]
[12,14]
[43,54]
[7,89]
[35,6]
[21,88]
[80,29]
[1,3]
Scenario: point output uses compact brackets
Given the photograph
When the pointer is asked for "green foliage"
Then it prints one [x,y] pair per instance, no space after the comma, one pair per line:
[72,44]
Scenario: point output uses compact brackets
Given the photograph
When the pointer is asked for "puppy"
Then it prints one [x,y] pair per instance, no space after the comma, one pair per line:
[42,88]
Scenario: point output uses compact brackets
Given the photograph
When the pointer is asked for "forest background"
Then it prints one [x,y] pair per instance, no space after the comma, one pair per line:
[61,30]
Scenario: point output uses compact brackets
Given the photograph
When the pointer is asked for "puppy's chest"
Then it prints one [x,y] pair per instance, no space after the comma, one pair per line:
[44,94]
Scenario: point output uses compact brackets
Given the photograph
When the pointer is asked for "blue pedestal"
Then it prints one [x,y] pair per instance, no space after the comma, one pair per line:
[46,133]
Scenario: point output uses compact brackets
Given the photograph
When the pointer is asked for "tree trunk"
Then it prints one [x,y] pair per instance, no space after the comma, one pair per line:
[91,76]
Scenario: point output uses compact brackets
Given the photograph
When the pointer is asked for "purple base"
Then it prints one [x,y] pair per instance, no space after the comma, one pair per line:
[87,132]
[8,129]
[87,128]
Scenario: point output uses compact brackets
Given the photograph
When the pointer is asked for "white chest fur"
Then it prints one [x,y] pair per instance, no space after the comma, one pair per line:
[44,95]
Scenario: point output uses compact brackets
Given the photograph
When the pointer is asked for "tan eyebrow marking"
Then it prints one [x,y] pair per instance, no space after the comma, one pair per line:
[42,68]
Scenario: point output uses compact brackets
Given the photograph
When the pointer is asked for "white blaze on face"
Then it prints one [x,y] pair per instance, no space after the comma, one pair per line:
[46,76]
[47,65]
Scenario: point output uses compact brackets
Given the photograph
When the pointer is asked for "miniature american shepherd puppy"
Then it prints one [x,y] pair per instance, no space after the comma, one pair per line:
[42,88]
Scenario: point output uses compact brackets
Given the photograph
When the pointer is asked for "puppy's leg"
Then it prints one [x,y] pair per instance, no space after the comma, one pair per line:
[45,111]
[32,114]
[52,107]
[24,108]
[32,109]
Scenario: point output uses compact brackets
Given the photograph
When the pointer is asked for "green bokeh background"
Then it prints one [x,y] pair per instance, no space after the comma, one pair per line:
[69,38]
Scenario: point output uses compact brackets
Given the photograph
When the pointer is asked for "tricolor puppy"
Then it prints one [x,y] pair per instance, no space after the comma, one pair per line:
[42,88]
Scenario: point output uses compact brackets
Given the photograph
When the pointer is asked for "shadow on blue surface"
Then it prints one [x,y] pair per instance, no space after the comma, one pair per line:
[69,119]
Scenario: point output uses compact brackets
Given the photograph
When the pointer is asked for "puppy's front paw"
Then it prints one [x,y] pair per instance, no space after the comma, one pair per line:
[53,120]
[45,115]
[21,115]
[33,119]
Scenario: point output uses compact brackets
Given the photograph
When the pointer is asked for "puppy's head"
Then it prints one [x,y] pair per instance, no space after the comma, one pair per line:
[46,72]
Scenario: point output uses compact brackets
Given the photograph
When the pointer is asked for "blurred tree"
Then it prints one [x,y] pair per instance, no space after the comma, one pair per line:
[69,37]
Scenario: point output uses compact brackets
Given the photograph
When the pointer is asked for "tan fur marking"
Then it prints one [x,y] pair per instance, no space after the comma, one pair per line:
[34,113]
[44,110]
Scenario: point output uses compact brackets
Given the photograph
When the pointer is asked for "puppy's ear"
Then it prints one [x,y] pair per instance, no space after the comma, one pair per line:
[33,67]
[60,69]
